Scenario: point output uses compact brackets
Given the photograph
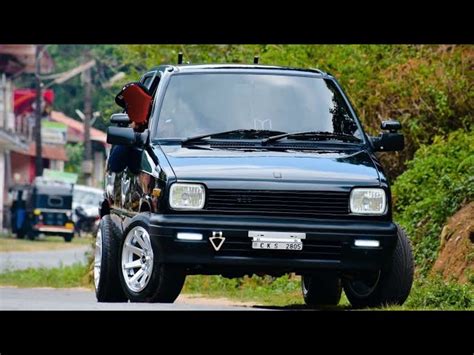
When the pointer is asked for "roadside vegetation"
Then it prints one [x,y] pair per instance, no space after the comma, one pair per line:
[65,276]
[427,294]
[437,183]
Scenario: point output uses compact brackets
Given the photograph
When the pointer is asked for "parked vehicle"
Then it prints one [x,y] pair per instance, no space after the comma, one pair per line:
[85,203]
[45,207]
[250,169]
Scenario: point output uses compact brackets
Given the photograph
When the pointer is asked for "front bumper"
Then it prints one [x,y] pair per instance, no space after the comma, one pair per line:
[329,244]
[51,229]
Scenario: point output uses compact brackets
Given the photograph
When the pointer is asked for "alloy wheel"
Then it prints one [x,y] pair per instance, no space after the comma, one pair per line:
[137,259]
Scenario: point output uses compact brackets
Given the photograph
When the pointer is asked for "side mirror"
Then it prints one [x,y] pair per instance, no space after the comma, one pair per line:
[120,119]
[390,141]
[126,136]
[391,125]
[121,136]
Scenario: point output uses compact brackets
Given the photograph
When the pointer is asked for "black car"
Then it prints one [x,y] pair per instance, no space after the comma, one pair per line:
[250,169]
[45,207]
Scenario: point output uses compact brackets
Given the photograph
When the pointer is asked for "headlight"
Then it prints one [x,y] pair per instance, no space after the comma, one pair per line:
[187,196]
[369,201]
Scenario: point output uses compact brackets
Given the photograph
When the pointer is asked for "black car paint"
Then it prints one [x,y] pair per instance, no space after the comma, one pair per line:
[312,166]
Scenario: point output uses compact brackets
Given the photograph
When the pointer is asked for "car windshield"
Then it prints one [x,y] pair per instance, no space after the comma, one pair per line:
[87,198]
[197,104]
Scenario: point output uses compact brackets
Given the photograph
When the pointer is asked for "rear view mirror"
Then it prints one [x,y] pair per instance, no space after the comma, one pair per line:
[126,136]
[121,136]
[391,125]
[390,141]
[120,119]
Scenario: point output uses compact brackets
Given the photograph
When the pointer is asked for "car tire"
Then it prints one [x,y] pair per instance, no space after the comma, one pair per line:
[68,237]
[29,232]
[321,289]
[389,286]
[106,273]
[20,234]
[154,281]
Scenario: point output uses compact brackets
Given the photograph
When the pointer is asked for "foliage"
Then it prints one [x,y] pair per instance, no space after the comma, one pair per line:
[434,293]
[439,180]
[426,293]
[66,276]
[75,155]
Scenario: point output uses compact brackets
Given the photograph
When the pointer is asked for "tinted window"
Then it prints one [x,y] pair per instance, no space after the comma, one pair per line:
[54,201]
[204,103]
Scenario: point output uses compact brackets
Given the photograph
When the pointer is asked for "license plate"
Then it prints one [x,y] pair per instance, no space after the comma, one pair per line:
[278,245]
[277,240]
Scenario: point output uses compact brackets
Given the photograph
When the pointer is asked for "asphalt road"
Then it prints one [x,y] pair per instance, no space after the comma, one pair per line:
[12,298]
[17,260]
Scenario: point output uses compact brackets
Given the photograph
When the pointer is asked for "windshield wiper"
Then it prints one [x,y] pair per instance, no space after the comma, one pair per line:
[313,135]
[243,134]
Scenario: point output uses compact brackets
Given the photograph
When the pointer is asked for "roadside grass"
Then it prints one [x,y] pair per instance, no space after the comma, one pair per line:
[61,277]
[11,243]
[284,291]
[427,294]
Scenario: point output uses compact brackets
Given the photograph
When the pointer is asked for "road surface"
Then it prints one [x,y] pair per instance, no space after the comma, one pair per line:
[12,298]
[17,260]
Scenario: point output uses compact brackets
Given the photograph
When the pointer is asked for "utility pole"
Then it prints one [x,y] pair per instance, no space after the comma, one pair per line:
[87,165]
[38,113]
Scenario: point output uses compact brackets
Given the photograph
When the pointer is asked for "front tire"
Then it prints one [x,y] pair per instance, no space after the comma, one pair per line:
[143,277]
[389,286]
[106,273]
[321,289]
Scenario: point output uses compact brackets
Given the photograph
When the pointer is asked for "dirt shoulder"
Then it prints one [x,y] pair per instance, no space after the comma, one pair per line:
[199,299]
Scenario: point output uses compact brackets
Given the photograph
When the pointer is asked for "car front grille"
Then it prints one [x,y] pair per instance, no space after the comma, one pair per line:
[283,203]
[55,219]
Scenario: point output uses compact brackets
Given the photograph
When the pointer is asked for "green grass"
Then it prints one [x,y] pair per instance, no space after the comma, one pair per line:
[282,291]
[61,277]
[427,294]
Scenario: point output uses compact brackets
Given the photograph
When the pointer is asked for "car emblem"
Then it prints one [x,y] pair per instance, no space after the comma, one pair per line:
[244,199]
[217,240]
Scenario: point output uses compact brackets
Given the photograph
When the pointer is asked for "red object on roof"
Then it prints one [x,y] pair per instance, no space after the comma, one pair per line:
[54,152]
[24,99]
[75,132]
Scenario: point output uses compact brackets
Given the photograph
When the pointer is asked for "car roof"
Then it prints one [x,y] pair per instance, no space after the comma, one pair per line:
[193,68]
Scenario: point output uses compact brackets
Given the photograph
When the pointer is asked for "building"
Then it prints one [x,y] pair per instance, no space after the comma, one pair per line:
[75,134]
[14,60]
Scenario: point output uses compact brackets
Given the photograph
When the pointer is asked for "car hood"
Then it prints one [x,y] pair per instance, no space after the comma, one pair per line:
[317,166]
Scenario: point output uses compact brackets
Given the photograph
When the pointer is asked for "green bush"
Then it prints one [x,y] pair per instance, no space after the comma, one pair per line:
[434,293]
[439,180]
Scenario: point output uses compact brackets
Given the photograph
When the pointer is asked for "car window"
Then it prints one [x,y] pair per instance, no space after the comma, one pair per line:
[203,103]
